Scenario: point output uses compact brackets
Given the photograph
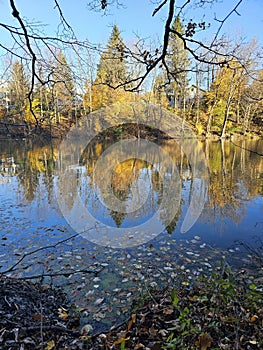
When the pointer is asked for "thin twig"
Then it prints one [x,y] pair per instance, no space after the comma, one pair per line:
[51,328]
[12,268]
[159,7]
[56,274]
[225,19]
[41,326]
[38,250]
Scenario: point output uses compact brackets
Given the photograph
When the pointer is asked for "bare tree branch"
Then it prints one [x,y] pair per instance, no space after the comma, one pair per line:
[15,13]
[234,10]
[12,268]
[159,7]
[62,16]
[31,40]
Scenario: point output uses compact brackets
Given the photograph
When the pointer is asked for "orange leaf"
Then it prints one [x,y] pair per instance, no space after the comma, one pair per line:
[254,318]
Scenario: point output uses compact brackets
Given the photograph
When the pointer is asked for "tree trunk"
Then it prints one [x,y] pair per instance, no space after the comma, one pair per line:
[223,132]
[197,97]
[209,121]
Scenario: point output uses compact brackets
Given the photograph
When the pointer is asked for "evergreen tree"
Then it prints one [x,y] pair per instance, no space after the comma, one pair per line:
[117,217]
[18,89]
[111,74]
[112,67]
[159,93]
[63,87]
[178,63]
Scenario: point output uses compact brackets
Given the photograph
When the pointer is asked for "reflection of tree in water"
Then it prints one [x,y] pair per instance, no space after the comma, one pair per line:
[125,179]
[173,224]
[234,177]
[125,175]
[128,172]
[33,161]
[29,179]
[252,167]
[39,160]
[172,209]
[157,181]
[117,217]
[223,188]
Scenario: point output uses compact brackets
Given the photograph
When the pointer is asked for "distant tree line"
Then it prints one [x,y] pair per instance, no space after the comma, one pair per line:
[216,99]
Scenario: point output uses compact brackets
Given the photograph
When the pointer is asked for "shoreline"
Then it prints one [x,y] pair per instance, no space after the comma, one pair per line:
[208,313]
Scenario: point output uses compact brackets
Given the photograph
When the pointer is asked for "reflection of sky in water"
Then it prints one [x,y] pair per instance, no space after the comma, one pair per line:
[25,221]
[221,231]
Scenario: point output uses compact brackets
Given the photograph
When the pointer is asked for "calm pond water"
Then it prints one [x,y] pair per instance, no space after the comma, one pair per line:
[35,234]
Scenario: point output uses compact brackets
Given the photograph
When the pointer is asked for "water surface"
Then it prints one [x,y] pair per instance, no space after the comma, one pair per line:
[31,219]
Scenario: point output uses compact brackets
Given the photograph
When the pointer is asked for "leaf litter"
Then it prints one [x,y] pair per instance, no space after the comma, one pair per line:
[105,300]
[223,311]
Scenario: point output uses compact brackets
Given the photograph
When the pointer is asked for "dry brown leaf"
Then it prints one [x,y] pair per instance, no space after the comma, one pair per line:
[130,323]
[168,310]
[204,341]
[37,317]
[153,331]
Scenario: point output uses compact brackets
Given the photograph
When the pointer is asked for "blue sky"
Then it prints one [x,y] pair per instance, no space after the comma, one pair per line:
[134,18]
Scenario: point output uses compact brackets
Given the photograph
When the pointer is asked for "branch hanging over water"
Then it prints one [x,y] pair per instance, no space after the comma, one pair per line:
[13,267]
[247,149]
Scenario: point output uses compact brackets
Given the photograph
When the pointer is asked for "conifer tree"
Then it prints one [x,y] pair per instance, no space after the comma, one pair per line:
[178,63]
[112,67]
[159,91]
[63,87]
[111,74]
[18,89]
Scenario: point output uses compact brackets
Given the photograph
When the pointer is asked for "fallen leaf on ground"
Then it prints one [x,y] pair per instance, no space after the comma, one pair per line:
[50,345]
[204,341]
[120,340]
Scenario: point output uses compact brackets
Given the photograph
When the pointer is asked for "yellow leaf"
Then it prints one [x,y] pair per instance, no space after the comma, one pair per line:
[120,340]
[50,345]
[62,313]
[185,283]
[133,318]
[254,318]
[84,338]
